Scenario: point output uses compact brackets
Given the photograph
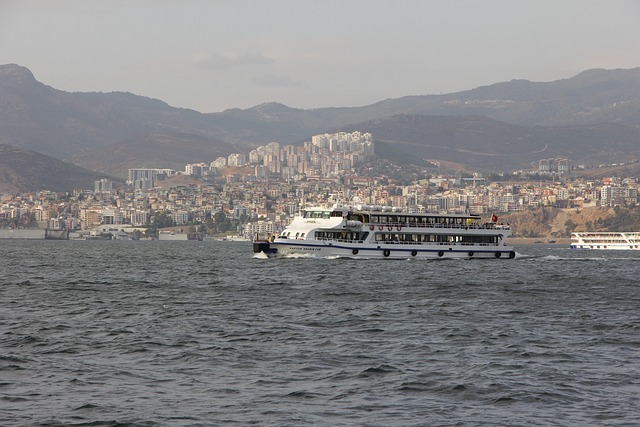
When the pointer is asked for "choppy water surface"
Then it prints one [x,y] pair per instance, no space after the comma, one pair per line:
[203,333]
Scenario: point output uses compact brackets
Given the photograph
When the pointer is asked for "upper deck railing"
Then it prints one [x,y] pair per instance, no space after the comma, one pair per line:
[401,225]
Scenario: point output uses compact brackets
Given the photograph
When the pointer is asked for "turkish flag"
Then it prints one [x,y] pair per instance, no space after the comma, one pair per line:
[494,218]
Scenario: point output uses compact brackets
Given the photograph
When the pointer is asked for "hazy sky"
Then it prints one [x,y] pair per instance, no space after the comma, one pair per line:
[210,55]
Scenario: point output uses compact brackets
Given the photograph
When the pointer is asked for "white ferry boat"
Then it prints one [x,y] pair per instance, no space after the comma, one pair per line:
[609,240]
[374,232]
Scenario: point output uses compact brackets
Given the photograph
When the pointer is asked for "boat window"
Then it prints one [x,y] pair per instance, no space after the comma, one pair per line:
[313,214]
[356,217]
[341,235]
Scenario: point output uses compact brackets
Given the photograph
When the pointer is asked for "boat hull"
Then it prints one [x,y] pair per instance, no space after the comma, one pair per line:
[324,250]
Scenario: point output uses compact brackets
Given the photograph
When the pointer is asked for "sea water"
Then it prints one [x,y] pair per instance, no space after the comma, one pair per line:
[164,333]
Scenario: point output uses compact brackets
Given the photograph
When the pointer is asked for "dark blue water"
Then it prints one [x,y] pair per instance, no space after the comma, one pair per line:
[202,334]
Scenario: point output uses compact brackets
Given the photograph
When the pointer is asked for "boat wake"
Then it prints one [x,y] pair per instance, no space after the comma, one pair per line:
[571,258]
[522,256]
[296,256]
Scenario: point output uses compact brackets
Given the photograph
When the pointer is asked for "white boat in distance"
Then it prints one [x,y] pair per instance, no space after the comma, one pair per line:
[375,232]
[609,240]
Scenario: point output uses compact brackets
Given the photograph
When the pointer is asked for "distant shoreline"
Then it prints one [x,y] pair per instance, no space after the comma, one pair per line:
[565,241]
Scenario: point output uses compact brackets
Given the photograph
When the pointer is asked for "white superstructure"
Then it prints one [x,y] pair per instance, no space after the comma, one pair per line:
[610,240]
[374,232]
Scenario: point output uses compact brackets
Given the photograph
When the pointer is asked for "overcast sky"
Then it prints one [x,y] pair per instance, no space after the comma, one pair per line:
[210,55]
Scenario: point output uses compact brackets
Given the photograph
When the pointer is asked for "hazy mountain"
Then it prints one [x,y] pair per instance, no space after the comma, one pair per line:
[592,117]
[24,170]
[492,145]
[592,97]
[165,150]
[66,125]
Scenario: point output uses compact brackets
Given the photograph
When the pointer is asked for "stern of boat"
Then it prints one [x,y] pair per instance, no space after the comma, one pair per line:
[262,243]
[264,246]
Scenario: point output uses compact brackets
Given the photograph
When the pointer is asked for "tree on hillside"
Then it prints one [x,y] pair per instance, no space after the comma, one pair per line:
[222,222]
[162,220]
[570,226]
[625,219]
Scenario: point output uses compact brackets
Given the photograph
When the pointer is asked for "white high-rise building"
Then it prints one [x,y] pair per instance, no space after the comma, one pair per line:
[103,186]
[236,159]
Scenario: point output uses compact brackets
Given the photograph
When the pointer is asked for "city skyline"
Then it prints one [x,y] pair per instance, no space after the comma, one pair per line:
[280,181]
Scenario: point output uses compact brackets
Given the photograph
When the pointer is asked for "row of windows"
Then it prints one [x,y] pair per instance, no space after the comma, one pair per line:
[406,237]
[435,238]
[608,241]
[413,220]
[394,219]
[342,235]
[321,214]
[330,235]
[404,219]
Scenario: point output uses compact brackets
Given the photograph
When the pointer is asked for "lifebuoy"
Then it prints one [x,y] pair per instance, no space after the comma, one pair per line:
[380,227]
[355,252]
[386,252]
[398,227]
[414,252]
[441,254]
[371,227]
[389,227]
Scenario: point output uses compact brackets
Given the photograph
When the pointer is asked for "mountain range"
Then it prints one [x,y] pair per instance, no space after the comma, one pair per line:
[25,170]
[591,118]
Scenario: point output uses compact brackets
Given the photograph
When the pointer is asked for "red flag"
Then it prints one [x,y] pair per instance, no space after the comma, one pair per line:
[494,218]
